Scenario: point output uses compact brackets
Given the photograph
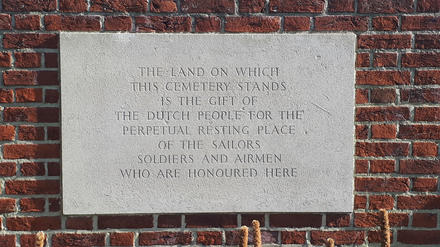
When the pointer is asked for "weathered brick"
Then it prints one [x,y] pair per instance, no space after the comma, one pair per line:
[382,184]
[72,23]
[383,95]
[122,239]
[427,77]
[33,223]
[381,202]
[32,169]
[414,60]
[31,114]
[163,6]
[341,23]
[424,220]
[385,6]
[29,5]
[165,238]
[293,237]
[425,184]
[27,22]
[79,223]
[27,60]
[296,23]
[32,204]
[419,202]
[382,113]
[257,24]
[29,95]
[385,23]
[428,6]
[383,131]
[83,240]
[385,60]
[139,6]
[34,187]
[420,167]
[375,219]
[209,238]
[429,132]
[7,205]
[117,23]
[420,23]
[304,6]
[207,24]
[340,6]
[251,6]
[7,169]
[382,166]
[30,40]
[340,237]
[163,24]
[7,133]
[208,6]
[383,78]
[73,6]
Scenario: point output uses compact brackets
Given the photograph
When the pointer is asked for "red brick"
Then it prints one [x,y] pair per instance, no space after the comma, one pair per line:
[383,78]
[338,220]
[420,167]
[27,22]
[304,6]
[427,77]
[429,95]
[340,6]
[361,132]
[382,166]
[255,24]
[53,133]
[425,184]
[209,238]
[51,60]
[363,60]
[377,236]
[54,204]
[427,41]
[361,166]
[420,23]
[33,223]
[383,131]
[296,23]
[361,96]
[53,169]
[117,23]
[163,6]
[73,240]
[6,96]
[375,219]
[413,60]
[7,205]
[385,23]
[163,24]
[211,220]
[431,132]
[32,169]
[381,149]
[418,202]
[390,113]
[29,5]
[207,24]
[51,96]
[32,204]
[384,41]
[382,184]
[27,60]
[122,239]
[208,6]
[385,6]
[79,223]
[385,60]
[5,22]
[341,23]
[295,220]
[427,114]
[165,238]
[7,169]
[246,219]
[30,40]
[340,237]
[29,95]
[72,23]
[34,187]
[47,78]
[126,221]
[5,59]
[381,202]
[428,6]
[139,6]
[7,240]
[293,237]
[28,240]
[418,237]
[73,6]
[383,95]
[31,114]
[425,149]
[7,133]
[360,202]
[267,237]
[19,77]
[424,220]
[169,221]
[251,6]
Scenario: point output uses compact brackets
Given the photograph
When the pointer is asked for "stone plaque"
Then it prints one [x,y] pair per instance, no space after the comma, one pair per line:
[188,123]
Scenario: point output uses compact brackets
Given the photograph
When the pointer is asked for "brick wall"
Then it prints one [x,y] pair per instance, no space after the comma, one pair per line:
[397,119]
